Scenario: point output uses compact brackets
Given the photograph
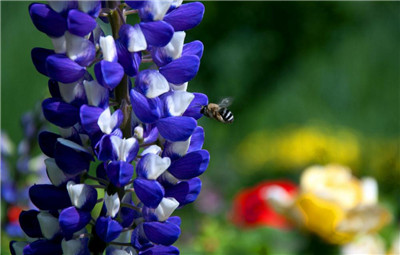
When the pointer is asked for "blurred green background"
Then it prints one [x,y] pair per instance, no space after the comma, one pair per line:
[312,82]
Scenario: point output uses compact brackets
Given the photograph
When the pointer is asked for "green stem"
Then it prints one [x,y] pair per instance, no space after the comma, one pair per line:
[122,90]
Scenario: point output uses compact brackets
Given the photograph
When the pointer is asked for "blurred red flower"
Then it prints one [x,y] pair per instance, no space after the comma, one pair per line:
[13,213]
[251,208]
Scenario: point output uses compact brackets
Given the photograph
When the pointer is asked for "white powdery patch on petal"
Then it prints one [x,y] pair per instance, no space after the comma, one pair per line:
[55,174]
[48,224]
[157,8]
[72,145]
[123,146]
[70,91]
[95,92]
[174,48]
[107,45]
[112,204]
[77,193]
[369,191]
[154,149]
[178,102]
[157,84]
[155,166]
[166,207]
[137,41]
[179,87]
[59,44]
[107,122]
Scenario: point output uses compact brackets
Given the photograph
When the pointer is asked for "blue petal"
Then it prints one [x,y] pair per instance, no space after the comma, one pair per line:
[197,140]
[195,106]
[164,233]
[185,192]
[157,33]
[43,247]
[56,176]
[108,74]
[72,220]
[89,116]
[49,197]
[29,223]
[71,160]
[54,89]
[46,20]
[191,165]
[160,249]
[146,109]
[193,48]
[101,171]
[105,150]
[60,113]
[128,60]
[119,173]
[176,128]
[138,238]
[80,23]
[107,229]
[63,69]
[135,4]
[47,142]
[175,220]
[127,215]
[39,56]
[181,70]
[186,16]
[150,192]
[83,196]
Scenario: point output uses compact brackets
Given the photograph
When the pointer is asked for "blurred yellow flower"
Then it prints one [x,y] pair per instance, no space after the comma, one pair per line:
[335,205]
[299,147]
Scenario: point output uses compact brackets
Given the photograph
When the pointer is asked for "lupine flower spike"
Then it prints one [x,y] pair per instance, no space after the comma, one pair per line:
[127,129]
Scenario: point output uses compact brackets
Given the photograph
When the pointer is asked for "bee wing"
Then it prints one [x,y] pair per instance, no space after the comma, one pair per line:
[226,102]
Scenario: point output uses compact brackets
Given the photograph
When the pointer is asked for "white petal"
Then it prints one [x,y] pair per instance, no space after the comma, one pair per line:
[166,208]
[112,204]
[70,91]
[137,41]
[107,45]
[59,44]
[77,193]
[116,144]
[19,247]
[96,94]
[55,174]
[58,6]
[126,146]
[76,46]
[158,8]
[178,102]
[179,148]
[72,145]
[72,247]
[176,3]
[154,149]
[174,48]
[155,166]
[138,132]
[107,122]
[48,224]
[181,87]
[369,191]
[169,178]
[157,84]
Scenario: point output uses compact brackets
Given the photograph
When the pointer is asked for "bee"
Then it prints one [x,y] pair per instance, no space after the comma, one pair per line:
[219,112]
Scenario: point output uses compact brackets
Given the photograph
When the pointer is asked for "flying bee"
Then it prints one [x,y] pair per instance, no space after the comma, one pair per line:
[219,112]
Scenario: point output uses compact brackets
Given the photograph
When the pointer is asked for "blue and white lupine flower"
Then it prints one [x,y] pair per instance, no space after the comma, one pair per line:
[147,125]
